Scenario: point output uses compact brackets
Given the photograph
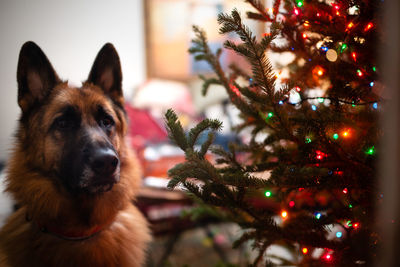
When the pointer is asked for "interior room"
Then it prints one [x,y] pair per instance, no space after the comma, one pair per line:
[304,169]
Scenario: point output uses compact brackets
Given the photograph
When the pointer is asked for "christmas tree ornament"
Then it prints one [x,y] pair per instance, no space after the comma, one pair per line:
[331,55]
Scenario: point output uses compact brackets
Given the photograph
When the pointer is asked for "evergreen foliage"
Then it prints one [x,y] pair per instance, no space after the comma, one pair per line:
[319,153]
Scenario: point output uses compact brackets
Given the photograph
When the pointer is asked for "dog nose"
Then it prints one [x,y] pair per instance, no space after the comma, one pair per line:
[104,162]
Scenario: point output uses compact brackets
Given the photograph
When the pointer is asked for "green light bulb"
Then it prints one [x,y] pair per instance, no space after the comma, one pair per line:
[370,151]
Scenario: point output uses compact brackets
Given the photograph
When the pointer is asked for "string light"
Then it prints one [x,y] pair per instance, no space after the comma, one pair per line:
[304,250]
[235,89]
[346,133]
[374,68]
[268,193]
[350,25]
[324,48]
[308,140]
[375,105]
[304,36]
[280,102]
[306,24]
[354,56]
[300,3]
[296,11]
[335,136]
[327,257]
[370,151]
[298,89]
[270,115]
[368,27]
[284,214]
[371,84]
[318,14]
[356,225]
[291,204]
[343,47]
[320,155]
[339,234]
[314,107]
[318,70]
[345,191]
[360,73]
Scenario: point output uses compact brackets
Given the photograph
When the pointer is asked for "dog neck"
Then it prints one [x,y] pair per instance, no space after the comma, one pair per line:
[69,235]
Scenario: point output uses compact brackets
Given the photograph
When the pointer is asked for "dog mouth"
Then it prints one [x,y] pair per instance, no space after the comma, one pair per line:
[93,183]
[98,189]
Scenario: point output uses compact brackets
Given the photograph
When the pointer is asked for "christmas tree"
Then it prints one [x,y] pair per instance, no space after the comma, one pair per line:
[314,139]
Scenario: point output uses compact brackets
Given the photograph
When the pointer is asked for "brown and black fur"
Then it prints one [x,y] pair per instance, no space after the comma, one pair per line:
[71,171]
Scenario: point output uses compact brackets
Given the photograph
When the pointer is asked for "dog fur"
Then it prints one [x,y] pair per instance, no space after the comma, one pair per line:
[66,216]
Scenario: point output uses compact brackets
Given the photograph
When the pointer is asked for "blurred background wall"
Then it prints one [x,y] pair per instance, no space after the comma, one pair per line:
[70,33]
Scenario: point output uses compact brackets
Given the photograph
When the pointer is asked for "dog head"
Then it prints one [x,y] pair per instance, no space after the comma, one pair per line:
[72,135]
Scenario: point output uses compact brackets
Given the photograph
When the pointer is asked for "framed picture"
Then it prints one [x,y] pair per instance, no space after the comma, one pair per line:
[168,31]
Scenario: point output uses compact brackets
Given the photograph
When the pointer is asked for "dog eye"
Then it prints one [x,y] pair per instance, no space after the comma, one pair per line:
[106,122]
[63,124]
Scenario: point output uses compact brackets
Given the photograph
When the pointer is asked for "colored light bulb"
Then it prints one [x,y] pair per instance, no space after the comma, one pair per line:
[360,73]
[308,140]
[346,133]
[375,105]
[371,84]
[268,193]
[280,102]
[374,68]
[304,36]
[304,250]
[284,214]
[291,204]
[318,215]
[300,3]
[354,56]
[335,136]
[314,107]
[339,234]
[350,25]
[370,151]
[345,191]
[328,257]
[368,26]
[270,115]
[343,47]
[296,11]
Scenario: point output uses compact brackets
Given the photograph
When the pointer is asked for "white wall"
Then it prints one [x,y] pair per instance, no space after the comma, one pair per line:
[70,33]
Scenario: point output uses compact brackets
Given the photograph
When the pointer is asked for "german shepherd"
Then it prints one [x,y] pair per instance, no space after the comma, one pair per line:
[71,172]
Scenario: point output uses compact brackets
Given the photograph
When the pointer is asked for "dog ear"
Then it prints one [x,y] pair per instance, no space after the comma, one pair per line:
[106,73]
[35,75]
